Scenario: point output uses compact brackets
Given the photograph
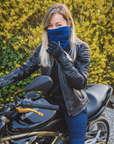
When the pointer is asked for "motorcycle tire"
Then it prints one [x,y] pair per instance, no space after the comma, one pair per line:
[100,124]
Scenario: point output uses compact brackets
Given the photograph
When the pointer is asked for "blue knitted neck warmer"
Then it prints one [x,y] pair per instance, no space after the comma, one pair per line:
[60,35]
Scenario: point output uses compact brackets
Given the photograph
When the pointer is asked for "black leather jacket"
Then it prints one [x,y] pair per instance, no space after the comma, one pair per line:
[72,76]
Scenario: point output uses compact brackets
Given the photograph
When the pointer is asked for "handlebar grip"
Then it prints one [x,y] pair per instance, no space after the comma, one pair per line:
[30,104]
[50,107]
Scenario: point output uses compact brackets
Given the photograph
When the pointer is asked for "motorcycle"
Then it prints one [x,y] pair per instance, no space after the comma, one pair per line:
[32,118]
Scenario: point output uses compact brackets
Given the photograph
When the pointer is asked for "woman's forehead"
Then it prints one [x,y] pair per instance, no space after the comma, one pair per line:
[56,17]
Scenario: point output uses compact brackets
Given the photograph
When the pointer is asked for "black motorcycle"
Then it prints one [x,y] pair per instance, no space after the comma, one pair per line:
[34,118]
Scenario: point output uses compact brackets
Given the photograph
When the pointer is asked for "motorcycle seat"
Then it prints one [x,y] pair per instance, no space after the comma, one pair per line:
[96,95]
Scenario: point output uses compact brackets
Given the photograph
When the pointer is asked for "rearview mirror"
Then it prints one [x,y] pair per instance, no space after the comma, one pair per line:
[41,83]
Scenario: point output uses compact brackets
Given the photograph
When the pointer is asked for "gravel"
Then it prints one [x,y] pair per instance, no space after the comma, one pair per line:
[109,113]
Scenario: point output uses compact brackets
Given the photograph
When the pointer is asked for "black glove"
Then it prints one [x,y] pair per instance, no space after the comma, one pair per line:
[54,49]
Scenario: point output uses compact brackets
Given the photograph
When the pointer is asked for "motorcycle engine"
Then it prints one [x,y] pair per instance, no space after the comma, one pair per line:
[61,141]
[49,140]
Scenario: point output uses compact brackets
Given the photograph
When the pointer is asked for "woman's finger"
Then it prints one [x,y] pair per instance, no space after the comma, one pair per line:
[51,45]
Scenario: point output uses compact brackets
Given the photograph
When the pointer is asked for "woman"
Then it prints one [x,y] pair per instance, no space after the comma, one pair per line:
[65,58]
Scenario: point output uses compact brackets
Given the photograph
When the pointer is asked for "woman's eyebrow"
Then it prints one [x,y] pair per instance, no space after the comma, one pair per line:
[57,22]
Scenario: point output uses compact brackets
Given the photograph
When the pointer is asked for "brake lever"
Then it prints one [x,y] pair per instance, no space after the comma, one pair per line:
[21,110]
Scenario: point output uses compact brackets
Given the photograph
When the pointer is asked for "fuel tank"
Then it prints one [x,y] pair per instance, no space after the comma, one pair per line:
[28,121]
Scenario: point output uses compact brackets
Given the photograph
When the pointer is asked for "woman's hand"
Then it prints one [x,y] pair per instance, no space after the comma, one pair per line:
[54,49]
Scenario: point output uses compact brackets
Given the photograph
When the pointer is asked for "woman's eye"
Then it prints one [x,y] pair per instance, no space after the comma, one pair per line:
[59,25]
[49,26]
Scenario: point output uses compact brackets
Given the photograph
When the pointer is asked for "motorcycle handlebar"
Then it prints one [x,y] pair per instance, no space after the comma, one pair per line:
[51,107]
[31,104]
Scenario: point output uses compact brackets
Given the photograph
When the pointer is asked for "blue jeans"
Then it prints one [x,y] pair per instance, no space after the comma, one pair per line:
[76,126]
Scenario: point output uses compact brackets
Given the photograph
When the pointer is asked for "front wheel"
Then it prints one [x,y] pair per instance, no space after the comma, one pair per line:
[98,127]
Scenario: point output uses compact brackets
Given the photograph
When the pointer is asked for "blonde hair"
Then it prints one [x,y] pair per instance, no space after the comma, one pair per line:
[63,10]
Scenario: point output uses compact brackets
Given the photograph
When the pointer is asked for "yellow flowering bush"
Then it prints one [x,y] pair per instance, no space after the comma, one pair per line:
[95,25]
[21,32]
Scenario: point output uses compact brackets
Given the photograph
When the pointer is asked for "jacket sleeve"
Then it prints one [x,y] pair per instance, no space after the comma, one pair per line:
[77,74]
[22,72]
